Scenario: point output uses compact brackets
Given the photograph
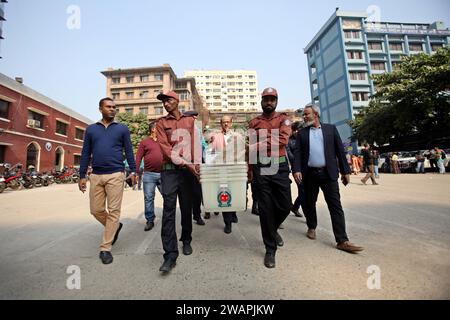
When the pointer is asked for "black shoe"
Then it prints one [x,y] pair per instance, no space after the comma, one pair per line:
[297,213]
[200,221]
[187,249]
[149,226]
[269,260]
[207,215]
[216,213]
[227,228]
[167,265]
[279,240]
[117,233]
[106,257]
[255,210]
[234,218]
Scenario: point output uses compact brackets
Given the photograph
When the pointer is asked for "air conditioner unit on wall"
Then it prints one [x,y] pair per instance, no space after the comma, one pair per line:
[33,123]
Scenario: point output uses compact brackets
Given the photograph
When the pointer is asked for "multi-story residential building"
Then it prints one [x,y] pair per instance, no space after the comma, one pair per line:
[2,18]
[227,91]
[36,130]
[348,50]
[241,119]
[134,90]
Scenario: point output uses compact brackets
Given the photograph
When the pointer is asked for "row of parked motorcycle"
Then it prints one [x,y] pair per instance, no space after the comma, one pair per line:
[15,177]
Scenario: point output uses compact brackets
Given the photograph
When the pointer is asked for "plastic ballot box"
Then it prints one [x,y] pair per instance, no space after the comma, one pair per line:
[224,186]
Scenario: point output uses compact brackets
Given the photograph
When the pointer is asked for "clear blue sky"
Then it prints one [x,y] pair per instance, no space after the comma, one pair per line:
[261,35]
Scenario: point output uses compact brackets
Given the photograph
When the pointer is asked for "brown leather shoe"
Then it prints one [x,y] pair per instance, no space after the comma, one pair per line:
[311,234]
[349,247]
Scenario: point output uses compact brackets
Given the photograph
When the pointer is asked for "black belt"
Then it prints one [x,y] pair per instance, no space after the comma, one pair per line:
[171,166]
[316,169]
[268,161]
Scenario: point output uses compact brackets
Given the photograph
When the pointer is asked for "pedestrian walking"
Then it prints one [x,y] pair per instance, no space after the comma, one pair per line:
[271,172]
[104,144]
[181,151]
[149,152]
[319,158]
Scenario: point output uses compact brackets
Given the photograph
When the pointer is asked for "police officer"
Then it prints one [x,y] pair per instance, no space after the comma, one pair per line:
[177,137]
[269,134]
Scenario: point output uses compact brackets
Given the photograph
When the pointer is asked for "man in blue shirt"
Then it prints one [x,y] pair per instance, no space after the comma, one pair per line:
[319,158]
[103,147]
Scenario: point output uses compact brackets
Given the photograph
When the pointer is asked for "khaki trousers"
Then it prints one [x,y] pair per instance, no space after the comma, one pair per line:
[106,189]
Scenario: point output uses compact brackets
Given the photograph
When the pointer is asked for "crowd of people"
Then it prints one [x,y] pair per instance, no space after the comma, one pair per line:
[169,160]
[370,160]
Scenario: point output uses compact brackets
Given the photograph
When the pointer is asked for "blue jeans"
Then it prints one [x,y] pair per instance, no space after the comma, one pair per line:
[150,181]
[420,168]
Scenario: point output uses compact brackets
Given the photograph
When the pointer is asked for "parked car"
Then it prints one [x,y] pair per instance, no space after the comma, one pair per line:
[408,163]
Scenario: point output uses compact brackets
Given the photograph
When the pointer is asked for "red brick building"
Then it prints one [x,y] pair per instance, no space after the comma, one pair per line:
[36,130]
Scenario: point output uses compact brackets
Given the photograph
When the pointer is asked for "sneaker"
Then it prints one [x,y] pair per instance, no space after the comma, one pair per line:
[117,233]
[106,257]
[207,215]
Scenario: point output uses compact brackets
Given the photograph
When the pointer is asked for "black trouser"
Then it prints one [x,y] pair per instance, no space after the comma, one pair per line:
[254,189]
[319,178]
[274,202]
[228,216]
[177,182]
[300,200]
[196,199]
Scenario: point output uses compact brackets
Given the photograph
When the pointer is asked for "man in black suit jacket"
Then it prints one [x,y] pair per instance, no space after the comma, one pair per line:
[319,156]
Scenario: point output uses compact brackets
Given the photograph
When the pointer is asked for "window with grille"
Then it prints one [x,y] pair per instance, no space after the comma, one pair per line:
[375,46]
[61,128]
[4,109]
[395,46]
[378,66]
[79,133]
[415,47]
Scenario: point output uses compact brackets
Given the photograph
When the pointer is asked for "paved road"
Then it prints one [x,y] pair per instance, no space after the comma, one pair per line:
[403,223]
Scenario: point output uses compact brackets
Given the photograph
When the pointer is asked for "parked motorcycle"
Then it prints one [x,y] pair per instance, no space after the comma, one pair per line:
[2,184]
[12,177]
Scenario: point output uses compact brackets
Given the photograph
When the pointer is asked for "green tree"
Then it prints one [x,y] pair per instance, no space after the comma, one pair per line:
[138,124]
[412,99]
